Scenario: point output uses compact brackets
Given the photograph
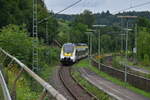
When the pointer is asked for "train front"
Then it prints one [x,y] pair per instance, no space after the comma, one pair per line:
[67,55]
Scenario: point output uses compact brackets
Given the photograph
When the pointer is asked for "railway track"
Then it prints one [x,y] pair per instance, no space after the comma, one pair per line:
[75,89]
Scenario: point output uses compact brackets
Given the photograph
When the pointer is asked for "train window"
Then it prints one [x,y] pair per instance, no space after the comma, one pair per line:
[68,48]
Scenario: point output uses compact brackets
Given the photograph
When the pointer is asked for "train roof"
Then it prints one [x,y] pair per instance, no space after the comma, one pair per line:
[81,44]
[76,44]
[69,44]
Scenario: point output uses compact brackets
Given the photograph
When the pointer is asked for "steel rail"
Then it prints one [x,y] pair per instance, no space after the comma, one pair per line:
[4,87]
[45,84]
[63,82]
[72,93]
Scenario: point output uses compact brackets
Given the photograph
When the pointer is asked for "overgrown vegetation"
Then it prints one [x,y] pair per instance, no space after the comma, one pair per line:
[24,88]
[120,63]
[19,12]
[116,63]
[89,87]
[1,94]
[143,46]
[14,39]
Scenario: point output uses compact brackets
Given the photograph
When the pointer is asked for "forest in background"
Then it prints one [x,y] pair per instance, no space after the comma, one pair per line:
[106,18]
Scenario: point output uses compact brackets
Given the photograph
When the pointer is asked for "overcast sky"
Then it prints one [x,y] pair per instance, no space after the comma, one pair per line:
[95,5]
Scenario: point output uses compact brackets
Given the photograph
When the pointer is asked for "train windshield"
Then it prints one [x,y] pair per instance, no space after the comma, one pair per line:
[68,48]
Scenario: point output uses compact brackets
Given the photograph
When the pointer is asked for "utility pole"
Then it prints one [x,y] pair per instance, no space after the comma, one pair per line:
[135,49]
[89,48]
[47,36]
[89,44]
[99,42]
[35,66]
[126,54]
[47,42]
[122,32]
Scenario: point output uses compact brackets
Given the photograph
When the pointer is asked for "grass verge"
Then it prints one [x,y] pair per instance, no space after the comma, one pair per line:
[89,87]
[1,94]
[85,63]
[130,63]
[24,90]
[119,62]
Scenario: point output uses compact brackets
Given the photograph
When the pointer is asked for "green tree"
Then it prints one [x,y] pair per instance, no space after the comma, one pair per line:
[77,33]
[14,39]
[86,18]
[15,12]
[143,22]
[106,43]
[20,12]
[143,44]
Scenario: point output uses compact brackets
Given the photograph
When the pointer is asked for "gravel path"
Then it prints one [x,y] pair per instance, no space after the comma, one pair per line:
[108,61]
[112,89]
[141,70]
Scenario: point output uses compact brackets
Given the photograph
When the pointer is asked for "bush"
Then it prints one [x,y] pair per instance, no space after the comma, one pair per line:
[146,60]
[47,55]
[115,62]
[14,39]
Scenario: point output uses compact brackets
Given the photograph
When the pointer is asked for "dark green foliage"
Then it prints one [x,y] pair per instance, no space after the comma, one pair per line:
[143,45]
[143,22]
[48,55]
[106,43]
[20,12]
[14,39]
[65,17]
[146,60]
[15,12]
[86,18]
[77,28]
[52,30]
[77,33]
[116,63]
[110,40]
[72,32]
[106,18]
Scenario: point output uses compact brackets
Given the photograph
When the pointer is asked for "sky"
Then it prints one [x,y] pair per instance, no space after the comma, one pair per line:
[95,5]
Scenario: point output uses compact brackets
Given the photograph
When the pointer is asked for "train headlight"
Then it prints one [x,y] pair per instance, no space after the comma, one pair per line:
[67,54]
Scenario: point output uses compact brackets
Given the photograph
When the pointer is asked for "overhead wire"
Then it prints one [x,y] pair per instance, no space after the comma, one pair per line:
[83,6]
[68,7]
[131,7]
[78,8]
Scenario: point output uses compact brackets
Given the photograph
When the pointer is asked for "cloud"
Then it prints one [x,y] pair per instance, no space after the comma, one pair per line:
[93,5]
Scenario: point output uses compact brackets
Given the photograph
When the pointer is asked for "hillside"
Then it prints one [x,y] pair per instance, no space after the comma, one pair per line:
[107,18]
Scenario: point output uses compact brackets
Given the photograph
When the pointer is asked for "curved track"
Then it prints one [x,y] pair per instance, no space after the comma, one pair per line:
[76,90]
